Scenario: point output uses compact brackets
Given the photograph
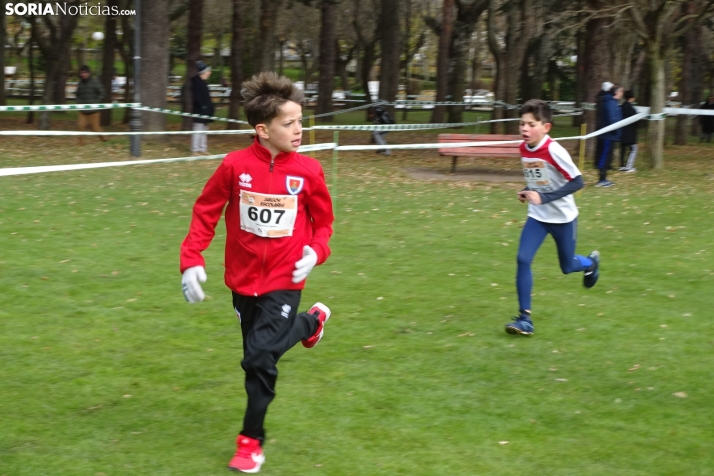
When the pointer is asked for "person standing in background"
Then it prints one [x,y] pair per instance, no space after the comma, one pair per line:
[609,114]
[707,122]
[89,91]
[201,105]
[629,135]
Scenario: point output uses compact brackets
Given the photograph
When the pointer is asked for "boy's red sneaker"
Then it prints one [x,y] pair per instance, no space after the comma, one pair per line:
[323,314]
[249,455]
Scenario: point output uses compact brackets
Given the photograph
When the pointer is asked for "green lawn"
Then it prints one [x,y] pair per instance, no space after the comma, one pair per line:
[105,369]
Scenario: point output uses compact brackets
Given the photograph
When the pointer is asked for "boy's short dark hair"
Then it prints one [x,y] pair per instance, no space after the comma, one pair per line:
[84,69]
[629,94]
[540,109]
[615,88]
[264,93]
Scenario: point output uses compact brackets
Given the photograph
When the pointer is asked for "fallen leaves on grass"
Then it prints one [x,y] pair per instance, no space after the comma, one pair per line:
[503,442]
[634,367]
[680,394]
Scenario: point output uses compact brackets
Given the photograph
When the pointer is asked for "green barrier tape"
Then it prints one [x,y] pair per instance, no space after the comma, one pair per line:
[187,114]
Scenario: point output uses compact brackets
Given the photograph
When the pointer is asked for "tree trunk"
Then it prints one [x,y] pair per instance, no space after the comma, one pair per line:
[475,61]
[597,68]
[2,52]
[110,39]
[193,54]
[236,66]
[365,71]
[656,128]
[448,17]
[391,51]
[31,64]
[154,61]
[498,57]
[327,59]
[265,54]
[457,70]
[580,64]
[55,49]
[691,78]
[126,51]
[509,59]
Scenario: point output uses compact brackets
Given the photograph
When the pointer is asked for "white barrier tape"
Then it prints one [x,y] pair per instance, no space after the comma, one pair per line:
[128,133]
[412,127]
[62,168]
[445,145]
[68,107]
[325,146]
[357,108]
[187,114]
[314,147]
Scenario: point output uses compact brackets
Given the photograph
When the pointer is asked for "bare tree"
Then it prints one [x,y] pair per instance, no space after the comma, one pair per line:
[448,16]
[691,79]
[366,20]
[391,50]
[236,64]
[327,57]
[193,54]
[264,59]
[509,49]
[154,61]
[108,50]
[125,45]
[659,23]
[54,39]
[3,40]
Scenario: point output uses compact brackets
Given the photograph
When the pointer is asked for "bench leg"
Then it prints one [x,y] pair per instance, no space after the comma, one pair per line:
[453,164]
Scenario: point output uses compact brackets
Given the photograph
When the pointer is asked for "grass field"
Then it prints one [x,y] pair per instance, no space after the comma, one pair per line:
[105,370]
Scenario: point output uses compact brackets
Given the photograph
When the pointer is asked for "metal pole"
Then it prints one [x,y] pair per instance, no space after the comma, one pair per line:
[135,122]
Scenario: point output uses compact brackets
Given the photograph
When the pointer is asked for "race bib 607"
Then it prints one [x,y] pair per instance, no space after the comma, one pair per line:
[270,216]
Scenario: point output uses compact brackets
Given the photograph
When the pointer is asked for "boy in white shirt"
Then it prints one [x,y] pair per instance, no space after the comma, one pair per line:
[552,178]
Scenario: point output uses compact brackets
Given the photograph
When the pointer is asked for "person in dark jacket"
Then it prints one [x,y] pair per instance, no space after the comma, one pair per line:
[381,116]
[201,105]
[89,91]
[707,122]
[605,89]
[610,113]
[629,135]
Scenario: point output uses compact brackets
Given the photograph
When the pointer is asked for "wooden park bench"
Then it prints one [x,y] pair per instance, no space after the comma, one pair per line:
[501,150]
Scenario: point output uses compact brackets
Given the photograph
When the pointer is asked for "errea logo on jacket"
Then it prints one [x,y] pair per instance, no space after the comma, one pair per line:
[245,180]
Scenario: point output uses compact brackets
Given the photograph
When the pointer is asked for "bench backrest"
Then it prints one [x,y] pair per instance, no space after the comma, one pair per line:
[502,150]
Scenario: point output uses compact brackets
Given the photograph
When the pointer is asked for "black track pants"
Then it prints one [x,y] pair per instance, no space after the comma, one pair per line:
[271,326]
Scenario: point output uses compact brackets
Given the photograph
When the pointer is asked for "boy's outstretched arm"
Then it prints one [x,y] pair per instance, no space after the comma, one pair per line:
[206,213]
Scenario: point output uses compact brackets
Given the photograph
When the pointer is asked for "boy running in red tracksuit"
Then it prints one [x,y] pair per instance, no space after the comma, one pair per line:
[278,220]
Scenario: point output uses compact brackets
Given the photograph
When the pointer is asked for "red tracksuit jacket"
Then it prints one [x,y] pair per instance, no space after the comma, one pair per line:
[263,197]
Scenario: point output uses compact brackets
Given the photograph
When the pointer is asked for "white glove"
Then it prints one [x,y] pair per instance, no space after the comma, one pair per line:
[190,282]
[305,265]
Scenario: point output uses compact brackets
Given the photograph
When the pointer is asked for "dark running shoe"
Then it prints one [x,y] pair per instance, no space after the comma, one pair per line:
[521,325]
[592,274]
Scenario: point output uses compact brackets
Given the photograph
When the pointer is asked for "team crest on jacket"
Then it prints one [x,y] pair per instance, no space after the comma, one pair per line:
[294,184]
